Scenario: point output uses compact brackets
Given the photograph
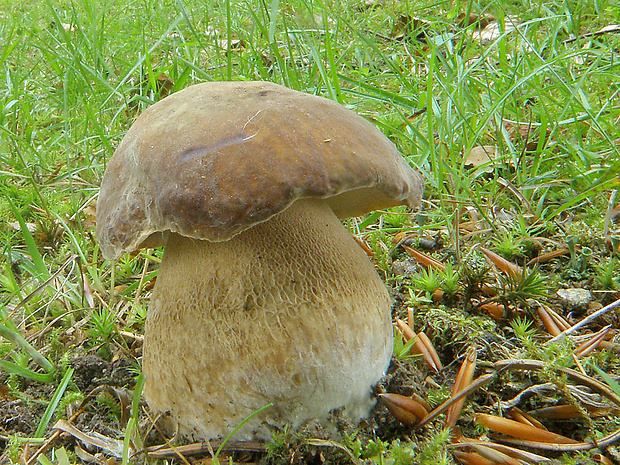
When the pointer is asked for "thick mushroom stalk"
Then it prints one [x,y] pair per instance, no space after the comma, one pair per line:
[290,311]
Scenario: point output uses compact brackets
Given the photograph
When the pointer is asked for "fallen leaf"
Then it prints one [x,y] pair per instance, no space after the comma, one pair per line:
[522,417]
[595,340]
[463,379]
[471,458]
[403,408]
[496,310]
[424,259]
[236,45]
[504,265]
[481,21]
[520,430]
[482,155]
[493,31]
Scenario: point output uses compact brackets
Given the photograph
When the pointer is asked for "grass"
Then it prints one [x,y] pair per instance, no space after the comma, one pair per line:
[75,75]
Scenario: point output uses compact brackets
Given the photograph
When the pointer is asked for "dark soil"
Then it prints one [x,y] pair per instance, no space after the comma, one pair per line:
[22,405]
[93,374]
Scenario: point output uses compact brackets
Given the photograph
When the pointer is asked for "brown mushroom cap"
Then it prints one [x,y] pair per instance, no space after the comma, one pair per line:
[217,158]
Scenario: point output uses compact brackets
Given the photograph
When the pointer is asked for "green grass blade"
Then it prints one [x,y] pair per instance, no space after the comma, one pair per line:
[18,370]
[240,425]
[35,255]
[131,430]
[613,384]
[53,404]
[43,460]
[137,394]
[18,340]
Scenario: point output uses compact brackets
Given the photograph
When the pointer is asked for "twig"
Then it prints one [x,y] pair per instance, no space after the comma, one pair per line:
[605,30]
[525,364]
[585,321]
[157,452]
[610,209]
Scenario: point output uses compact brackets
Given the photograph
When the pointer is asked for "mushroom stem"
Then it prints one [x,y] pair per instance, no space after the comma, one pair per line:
[290,311]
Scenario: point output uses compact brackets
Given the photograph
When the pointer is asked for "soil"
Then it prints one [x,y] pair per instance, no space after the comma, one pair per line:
[106,396]
[20,416]
[22,405]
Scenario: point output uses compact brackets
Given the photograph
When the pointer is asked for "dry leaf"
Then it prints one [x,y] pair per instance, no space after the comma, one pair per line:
[236,45]
[494,455]
[424,259]
[550,325]
[463,379]
[504,265]
[528,134]
[548,256]
[558,412]
[471,458]
[521,431]
[422,346]
[408,333]
[407,26]
[587,347]
[403,408]
[364,246]
[109,445]
[522,417]
[496,310]
[529,457]
[482,155]
[481,21]
[164,84]
[493,31]
[430,349]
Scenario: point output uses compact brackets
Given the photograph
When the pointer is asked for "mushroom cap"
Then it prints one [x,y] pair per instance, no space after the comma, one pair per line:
[217,158]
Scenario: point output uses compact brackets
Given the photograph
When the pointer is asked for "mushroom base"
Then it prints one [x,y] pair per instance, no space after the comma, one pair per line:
[289,312]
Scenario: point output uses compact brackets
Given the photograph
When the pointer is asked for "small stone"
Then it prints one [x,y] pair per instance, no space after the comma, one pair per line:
[406,267]
[575,298]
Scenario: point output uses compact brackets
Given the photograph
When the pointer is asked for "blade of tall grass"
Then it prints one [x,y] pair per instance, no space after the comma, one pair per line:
[53,403]
[33,251]
[11,333]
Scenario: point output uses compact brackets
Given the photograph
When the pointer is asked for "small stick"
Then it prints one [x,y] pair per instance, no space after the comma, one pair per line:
[585,321]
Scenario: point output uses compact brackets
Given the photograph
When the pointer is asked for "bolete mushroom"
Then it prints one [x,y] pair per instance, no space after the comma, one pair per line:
[262,295]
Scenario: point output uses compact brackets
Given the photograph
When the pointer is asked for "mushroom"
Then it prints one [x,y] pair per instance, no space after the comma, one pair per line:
[262,295]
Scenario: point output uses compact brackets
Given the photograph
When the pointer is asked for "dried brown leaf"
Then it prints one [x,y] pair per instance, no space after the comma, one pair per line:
[424,259]
[545,317]
[548,256]
[430,349]
[504,265]
[403,408]
[523,417]
[494,455]
[587,347]
[365,247]
[463,379]
[520,430]
[481,21]
[508,450]
[423,346]
[482,155]
[496,310]
[471,458]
